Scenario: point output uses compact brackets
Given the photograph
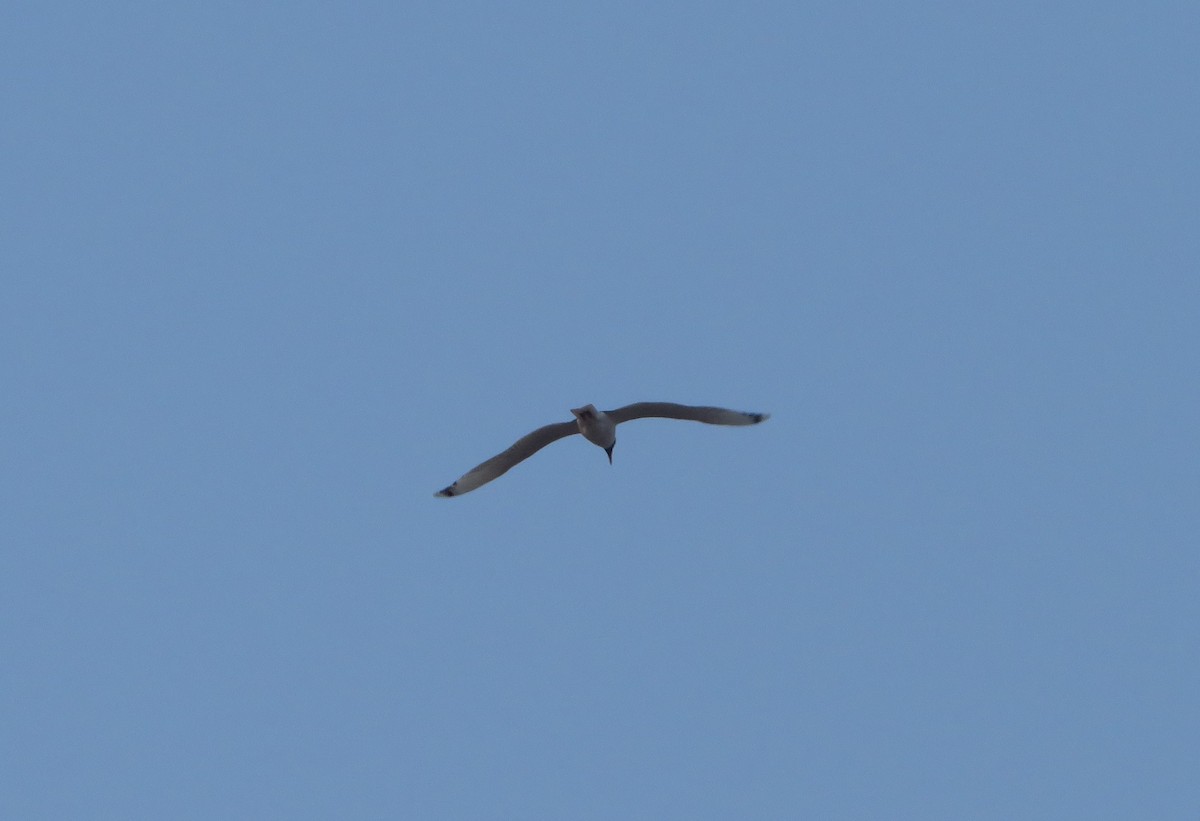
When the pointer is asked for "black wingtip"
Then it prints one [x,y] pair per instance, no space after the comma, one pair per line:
[446,491]
[759,417]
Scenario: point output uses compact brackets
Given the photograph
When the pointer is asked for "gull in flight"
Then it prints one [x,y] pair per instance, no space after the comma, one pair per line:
[599,428]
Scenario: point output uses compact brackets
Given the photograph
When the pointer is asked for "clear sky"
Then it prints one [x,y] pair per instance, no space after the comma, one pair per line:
[273,273]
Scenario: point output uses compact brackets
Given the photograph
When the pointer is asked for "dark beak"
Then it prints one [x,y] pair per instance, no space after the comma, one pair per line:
[608,450]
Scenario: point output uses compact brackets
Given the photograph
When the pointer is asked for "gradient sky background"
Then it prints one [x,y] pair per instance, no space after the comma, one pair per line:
[271,274]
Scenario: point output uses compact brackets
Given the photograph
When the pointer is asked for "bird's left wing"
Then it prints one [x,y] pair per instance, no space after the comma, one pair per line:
[499,464]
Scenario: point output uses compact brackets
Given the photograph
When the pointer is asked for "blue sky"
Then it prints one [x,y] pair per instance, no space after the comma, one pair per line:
[275,273]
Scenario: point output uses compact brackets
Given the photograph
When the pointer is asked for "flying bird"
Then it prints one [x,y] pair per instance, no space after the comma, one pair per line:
[599,428]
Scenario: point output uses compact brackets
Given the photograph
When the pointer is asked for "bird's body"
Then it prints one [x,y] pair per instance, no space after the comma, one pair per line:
[596,427]
[599,428]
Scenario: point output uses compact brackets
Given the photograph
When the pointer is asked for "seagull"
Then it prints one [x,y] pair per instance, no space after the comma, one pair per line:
[599,428]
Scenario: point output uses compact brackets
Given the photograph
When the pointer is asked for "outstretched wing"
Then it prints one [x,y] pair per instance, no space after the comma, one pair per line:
[499,464]
[694,413]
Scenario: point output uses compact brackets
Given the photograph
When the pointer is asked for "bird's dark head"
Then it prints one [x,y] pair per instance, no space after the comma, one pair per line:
[609,451]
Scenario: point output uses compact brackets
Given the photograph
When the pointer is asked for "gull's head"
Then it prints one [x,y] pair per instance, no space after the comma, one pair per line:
[584,413]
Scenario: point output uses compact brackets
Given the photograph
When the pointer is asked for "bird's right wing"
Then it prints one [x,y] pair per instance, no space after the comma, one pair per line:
[694,413]
[499,464]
